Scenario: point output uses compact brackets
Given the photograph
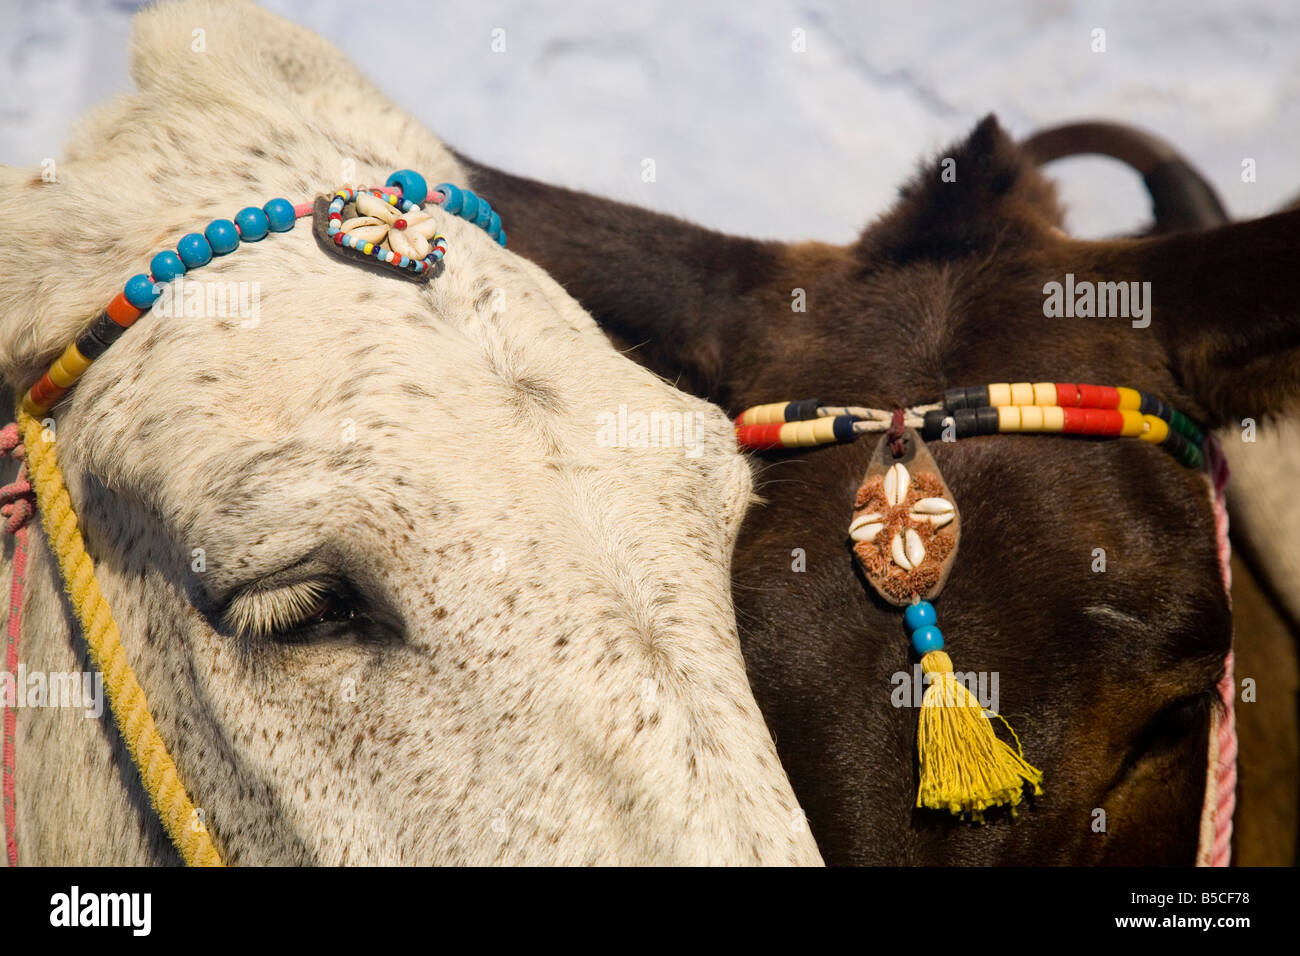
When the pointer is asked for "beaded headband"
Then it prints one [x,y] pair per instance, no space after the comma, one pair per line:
[906,528]
[389,229]
[1042,407]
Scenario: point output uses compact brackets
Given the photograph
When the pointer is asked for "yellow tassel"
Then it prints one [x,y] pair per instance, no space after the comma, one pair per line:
[965,767]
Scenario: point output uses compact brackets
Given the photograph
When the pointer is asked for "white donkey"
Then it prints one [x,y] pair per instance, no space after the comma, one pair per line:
[391,598]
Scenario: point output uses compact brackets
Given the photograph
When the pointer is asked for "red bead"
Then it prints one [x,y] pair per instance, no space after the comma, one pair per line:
[400,224]
[1092,421]
[760,437]
[338,238]
[1090,396]
[1107,396]
[1067,395]
[45,392]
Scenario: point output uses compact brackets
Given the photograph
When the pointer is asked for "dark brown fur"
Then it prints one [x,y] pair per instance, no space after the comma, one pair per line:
[946,289]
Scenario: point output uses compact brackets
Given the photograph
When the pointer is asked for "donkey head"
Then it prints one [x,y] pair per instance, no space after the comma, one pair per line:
[1088,578]
[391,597]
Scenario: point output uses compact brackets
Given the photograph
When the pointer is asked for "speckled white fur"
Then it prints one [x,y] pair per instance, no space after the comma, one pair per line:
[562,681]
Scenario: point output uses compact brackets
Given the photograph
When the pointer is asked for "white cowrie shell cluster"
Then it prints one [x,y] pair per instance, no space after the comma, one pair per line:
[376,222]
[866,527]
[936,511]
[896,482]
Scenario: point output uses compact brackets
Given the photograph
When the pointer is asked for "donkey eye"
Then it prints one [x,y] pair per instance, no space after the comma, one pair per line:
[295,613]
[1173,723]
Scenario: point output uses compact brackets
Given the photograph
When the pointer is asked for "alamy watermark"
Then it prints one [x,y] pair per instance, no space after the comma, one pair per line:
[628,429]
[909,689]
[1085,299]
[71,689]
[183,298]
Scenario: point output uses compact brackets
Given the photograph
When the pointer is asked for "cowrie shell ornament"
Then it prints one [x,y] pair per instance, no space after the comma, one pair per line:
[905,526]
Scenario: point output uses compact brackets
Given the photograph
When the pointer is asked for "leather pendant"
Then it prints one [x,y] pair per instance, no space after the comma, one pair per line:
[906,526]
[331,243]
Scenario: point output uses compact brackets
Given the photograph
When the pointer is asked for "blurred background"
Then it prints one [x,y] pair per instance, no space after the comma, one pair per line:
[772,118]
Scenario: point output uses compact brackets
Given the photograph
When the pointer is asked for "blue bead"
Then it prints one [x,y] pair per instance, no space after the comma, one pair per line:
[279,215]
[919,615]
[494,225]
[469,205]
[414,188]
[454,197]
[221,236]
[253,223]
[926,639]
[194,250]
[140,292]
[501,239]
[166,266]
[484,214]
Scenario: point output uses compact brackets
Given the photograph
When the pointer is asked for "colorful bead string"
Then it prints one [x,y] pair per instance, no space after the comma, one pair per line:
[404,189]
[1047,407]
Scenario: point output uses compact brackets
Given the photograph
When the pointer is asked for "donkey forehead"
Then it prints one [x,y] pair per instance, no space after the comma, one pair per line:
[340,380]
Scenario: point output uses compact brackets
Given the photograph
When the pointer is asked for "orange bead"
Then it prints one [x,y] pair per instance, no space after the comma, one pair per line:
[122,312]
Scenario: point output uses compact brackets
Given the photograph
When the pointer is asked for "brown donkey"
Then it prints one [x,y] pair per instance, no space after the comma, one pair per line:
[1109,678]
[1265,519]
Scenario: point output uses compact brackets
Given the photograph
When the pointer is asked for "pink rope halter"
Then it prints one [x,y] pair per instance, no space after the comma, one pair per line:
[17,505]
[1214,847]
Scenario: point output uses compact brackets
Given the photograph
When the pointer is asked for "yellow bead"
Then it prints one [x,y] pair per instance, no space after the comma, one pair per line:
[368,248]
[1031,418]
[1009,418]
[816,431]
[1157,429]
[31,408]
[1130,399]
[1022,393]
[69,367]
[999,394]
[1053,418]
[767,414]
[1133,425]
[1044,393]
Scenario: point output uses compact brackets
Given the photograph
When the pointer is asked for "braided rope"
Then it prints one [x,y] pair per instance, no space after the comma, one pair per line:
[125,696]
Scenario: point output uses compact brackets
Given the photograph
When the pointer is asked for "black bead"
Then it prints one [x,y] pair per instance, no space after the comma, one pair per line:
[802,410]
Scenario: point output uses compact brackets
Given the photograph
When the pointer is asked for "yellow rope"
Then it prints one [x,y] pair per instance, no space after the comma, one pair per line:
[125,697]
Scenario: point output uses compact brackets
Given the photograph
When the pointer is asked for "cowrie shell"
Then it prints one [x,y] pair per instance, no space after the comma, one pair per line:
[913,547]
[866,527]
[406,242]
[896,481]
[897,553]
[935,511]
[368,205]
[365,228]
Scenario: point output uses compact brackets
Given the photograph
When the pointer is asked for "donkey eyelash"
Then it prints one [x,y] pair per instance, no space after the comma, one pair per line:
[262,613]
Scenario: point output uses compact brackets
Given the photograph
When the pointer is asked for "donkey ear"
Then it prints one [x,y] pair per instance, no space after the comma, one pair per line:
[236,57]
[1225,305]
[215,48]
[967,198]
